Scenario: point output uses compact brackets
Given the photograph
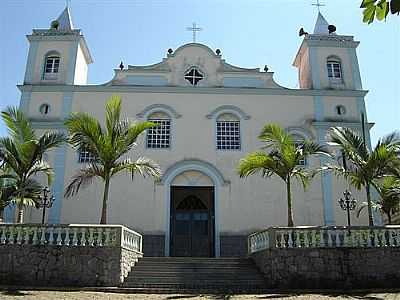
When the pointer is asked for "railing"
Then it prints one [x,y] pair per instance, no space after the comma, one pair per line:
[324,237]
[71,235]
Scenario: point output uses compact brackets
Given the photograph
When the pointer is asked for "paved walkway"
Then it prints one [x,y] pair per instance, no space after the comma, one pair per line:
[56,295]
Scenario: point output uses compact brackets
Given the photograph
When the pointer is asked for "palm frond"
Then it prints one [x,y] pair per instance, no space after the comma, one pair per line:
[18,125]
[83,178]
[274,136]
[143,166]
[260,162]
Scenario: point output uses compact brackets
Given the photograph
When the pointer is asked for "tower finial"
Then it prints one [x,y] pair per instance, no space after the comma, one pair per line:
[67,3]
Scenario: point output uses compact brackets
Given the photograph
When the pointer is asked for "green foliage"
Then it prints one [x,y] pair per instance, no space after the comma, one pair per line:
[379,9]
[281,158]
[366,167]
[21,159]
[110,146]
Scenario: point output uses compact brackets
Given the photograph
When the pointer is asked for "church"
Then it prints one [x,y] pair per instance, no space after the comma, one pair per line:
[210,113]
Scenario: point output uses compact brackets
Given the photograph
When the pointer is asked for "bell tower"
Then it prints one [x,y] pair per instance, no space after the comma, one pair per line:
[327,60]
[58,55]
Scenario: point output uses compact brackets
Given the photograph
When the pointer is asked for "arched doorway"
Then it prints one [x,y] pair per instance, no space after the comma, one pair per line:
[192,221]
[196,177]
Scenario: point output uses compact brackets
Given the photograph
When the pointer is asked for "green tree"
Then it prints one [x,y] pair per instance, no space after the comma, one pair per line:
[21,155]
[365,167]
[281,157]
[109,146]
[379,9]
[389,202]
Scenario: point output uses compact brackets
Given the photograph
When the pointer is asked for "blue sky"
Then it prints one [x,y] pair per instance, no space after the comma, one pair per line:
[250,33]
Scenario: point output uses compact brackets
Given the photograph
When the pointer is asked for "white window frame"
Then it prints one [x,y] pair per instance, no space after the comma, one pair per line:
[54,62]
[332,74]
[159,137]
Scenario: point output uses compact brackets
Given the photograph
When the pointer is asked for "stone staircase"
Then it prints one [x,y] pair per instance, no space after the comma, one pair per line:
[179,274]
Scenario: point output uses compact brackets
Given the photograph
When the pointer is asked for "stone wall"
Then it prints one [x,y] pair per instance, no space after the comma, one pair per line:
[339,268]
[64,266]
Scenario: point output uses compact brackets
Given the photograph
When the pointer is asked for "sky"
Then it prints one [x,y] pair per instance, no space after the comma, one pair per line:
[250,33]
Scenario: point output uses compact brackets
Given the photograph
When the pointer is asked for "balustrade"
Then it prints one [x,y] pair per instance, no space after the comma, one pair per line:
[324,237]
[73,235]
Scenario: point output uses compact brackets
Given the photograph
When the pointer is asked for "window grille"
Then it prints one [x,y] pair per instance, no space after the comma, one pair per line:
[86,157]
[193,76]
[159,137]
[228,135]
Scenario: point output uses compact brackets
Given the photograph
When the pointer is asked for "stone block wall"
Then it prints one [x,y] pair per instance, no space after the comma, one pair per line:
[64,266]
[326,268]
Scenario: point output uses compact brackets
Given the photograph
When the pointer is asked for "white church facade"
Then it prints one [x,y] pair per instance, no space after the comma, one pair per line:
[210,114]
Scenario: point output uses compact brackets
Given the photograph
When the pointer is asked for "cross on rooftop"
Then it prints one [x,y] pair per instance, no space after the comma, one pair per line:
[194,29]
[318,4]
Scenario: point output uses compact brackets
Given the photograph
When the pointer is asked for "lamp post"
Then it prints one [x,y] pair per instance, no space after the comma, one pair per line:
[348,204]
[45,201]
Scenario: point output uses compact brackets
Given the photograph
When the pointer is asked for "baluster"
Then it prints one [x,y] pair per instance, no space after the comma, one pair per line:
[3,235]
[306,241]
[83,236]
[11,236]
[397,233]
[26,238]
[313,239]
[330,241]
[298,241]
[391,238]
[35,236]
[383,238]
[107,239]
[91,240]
[51,235]
[282,239]
[59,239]
[43,236]
[321,236]
[67,239]
[19,235]
[376,239]
[99,237]
[369,238]
[337,238]
[75,237]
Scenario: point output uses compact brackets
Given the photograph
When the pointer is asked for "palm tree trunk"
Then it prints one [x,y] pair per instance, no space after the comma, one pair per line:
[20,217]
[103,219]
[389,217]
[370,216]
[289,203]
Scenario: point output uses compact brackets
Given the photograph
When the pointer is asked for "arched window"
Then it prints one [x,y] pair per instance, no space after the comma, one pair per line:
[298,143]
[52,65]
[159,137]
[228,132]
[44,109]
[334,68]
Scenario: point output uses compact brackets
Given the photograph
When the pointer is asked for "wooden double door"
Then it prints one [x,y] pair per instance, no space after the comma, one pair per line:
[192,221]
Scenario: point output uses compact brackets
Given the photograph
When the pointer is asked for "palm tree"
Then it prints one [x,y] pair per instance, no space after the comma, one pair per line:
[109,147]
[282,158]
[21,157]
[389,202]
[366,167]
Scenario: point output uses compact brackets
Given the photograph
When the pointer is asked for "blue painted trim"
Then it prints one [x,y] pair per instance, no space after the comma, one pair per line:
[24,102]
[157,107]
[59,167]
[205,168]
[329,216]
[147,80]
[9,213]
[70,71]
[232,109]
[315,76]
[318,108]
[355,69]
[31,62]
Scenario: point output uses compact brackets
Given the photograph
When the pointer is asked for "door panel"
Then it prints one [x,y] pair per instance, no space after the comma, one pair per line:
[192,221]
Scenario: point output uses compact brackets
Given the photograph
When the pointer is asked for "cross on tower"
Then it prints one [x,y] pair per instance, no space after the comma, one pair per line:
[194,29]
[318,5]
